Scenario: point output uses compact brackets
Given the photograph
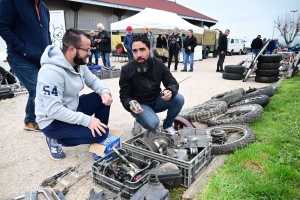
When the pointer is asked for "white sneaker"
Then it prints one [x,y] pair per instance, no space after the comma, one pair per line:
[170,130]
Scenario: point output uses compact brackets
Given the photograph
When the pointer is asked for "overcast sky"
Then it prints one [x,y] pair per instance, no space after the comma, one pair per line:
[244,18]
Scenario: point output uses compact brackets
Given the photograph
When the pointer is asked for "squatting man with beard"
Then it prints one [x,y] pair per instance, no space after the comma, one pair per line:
[64,116]
[140,80]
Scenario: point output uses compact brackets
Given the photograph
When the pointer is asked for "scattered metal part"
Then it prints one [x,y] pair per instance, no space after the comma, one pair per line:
[181,154]
[66,189]
[219,136]
[134,168]
[194,151]
[194,138]
[33,195]
[57,195]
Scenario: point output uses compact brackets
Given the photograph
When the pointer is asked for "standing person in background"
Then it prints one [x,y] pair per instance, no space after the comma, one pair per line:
[264,42]
[94,50]
[24,26]
[189,44]
[150,36]
[272,45]
[104,41]
[164,42]
[256,45]
[175,45]
[222,49]
[183,37]
[159,41]
[127,42]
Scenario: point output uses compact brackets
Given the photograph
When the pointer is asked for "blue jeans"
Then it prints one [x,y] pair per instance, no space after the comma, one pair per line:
[130,56]
[151,54]
[149,120]
[73,134]
[96,55]
[189,56]
[105,60]
[255,51]
[269,52]
[27,73]
[184,55]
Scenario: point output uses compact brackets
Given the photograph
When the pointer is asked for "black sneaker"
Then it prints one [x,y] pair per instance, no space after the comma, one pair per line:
[217,70]
[184,70]
[191,70]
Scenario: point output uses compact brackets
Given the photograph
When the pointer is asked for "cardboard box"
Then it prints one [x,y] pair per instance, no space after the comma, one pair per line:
[105,147]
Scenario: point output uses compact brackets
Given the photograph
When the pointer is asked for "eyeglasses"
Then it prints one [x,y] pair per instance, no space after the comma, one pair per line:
[88,51]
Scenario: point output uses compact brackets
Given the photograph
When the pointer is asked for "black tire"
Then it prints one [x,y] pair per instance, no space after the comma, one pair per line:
[230,98]
[268,65]
[218,96]
[232,76]
[238,115]
[236,69]
[265,79]
[240,52]
[202,112]
[262,100]
[267,72]
[273,58]
[231,52]
[252,92]
[215,53]
[238,136]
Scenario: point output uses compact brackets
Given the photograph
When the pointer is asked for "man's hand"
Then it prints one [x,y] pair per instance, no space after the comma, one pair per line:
[189,47]
[135,111]
[167,95]
[24,54]
[222,52]
[96,125]
[106,99]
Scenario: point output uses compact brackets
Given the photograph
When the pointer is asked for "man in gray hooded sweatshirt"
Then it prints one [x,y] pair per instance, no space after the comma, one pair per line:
[64,116]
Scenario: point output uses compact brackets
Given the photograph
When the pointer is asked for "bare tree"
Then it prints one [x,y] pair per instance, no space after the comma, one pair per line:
[288,25]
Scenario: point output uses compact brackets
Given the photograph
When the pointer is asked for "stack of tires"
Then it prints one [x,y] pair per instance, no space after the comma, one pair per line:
[233,72]
[268,68]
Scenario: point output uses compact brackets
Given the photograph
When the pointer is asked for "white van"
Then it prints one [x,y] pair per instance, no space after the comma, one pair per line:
[3,55]
[235,45]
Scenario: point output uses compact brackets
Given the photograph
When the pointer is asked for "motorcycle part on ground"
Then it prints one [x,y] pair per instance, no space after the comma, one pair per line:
[230,97]
[102,196]
[181,154]
[152,190]
[193,138]
[202,112]
[237,136]
[33,195]
[180,122]
[168,174]
[238,115]
[6,93]
[262,100]
[252,92]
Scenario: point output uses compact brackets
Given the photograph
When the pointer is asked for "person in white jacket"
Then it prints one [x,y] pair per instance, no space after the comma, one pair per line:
[65,117]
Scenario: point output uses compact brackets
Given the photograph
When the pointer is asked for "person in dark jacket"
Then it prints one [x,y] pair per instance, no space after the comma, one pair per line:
[164,42]
[256,45]
[140,80]
[222,49]
[24,26]
[190,43]
[175,45]
[94,50]
[104,41]
[127,42]
[159,41]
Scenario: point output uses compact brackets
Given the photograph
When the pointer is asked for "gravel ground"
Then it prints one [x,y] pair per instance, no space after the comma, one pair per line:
[25,161]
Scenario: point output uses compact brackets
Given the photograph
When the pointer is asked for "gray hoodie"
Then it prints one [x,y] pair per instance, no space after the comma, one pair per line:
[58,87]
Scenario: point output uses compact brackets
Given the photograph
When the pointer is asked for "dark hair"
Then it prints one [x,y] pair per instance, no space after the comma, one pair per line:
[191,30]
[141,38]
[72,37]
[183,35]
[227,30]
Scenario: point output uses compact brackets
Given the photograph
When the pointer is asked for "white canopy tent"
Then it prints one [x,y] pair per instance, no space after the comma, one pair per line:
[158,21]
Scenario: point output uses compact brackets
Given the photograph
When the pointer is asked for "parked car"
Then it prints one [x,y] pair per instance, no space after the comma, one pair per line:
[295,48]
[235,45]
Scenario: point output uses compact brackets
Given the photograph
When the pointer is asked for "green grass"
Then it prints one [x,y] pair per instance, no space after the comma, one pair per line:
[270,167]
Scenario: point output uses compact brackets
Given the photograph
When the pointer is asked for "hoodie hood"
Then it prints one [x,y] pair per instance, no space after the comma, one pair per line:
[53,55]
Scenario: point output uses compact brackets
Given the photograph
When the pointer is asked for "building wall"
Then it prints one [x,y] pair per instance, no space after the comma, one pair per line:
[88,16]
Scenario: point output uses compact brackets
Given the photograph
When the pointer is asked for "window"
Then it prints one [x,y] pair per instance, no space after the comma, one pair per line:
[236,41]
[232,41]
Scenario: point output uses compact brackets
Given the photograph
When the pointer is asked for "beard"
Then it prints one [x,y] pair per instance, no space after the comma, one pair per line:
[79,60]
[141,67]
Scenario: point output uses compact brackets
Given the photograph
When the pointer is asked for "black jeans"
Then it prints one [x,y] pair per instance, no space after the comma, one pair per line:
[221,61]
[171,54]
